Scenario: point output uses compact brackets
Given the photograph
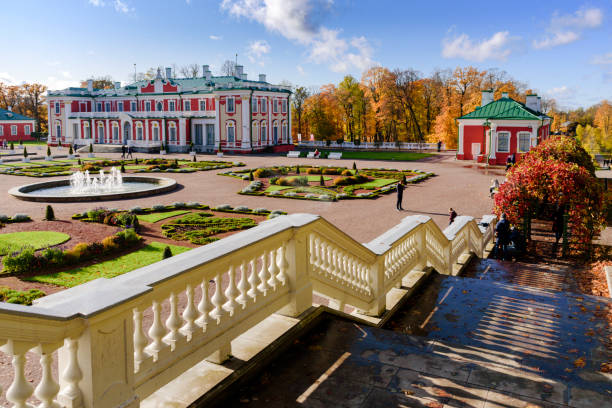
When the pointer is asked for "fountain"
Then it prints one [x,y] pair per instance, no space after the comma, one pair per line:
[82,182]
[82,186]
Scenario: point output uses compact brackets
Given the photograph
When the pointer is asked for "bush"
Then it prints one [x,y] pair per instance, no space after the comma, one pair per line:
[331,170]
[179,204]
[54,256]
[4,218]
[122,168]
[274,180]
[19,263]
[242,208]
[136,210]
[262,173]
[70,151]
[167,253]
[354,166]
[19,297]
[110,244]
[322,180]
[79,162]
[21,217]
[297,169]
[347,173]
[251,178]
[340,141]
[12,146]
[48,151]
[91,148]
[25,152]
[313,170]
[128,236]
[347,181]
[327,142]
[49,214]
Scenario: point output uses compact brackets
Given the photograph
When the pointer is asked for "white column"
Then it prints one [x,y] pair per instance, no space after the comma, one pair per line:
[182,131]
[269,124]
[145,130]
[460,149]
[217,123]
[107,135]
[289,128]
[493,146]
[163,131]
[246,123]
[534,135]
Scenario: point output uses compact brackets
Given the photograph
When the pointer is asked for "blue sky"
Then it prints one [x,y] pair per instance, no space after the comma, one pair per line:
[562,49]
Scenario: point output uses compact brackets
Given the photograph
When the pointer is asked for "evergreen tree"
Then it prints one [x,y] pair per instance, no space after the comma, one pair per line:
[49,214]
[167,253]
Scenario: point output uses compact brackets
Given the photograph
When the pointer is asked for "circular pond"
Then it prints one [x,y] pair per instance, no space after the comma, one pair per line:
[60,191]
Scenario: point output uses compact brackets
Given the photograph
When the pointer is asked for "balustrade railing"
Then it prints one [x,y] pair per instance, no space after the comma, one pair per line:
[118,340]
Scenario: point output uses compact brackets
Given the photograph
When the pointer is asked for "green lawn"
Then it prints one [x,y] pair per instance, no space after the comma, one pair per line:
[317,177]
[14,241]
[31,142]
[108,269]
[404,156]
[277,188]
[377,183]
[136,167]
[154,217]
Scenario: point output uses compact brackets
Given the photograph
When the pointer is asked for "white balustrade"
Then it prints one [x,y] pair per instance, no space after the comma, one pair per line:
[242,279]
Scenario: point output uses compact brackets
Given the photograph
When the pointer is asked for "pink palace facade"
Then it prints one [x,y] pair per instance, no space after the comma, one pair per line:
[227,112]
[500,128]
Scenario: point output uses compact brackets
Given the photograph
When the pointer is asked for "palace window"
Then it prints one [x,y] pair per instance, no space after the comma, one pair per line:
[231,132]
[86,132]
[155,131]
[284,132]
[82,107]
[172,106]
[75,130]
[254,105]
[172,131]
[264,131]
[133,106]
[160,107]
[284,106]
[148,106]
[230,105]
[264,105]
[58,130]
[99,107]
[524,142]
[57,108]
[107,107]
[275,106]
[100,130]
[27,129]
[203,104]
[139,131]
[115,131]
[13,130]
[187,105]
[120,106]
[503,142]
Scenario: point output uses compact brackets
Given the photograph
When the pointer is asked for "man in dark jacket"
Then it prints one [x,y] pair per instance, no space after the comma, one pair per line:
[123,151]
[452,214]
[502,234]
[400,195]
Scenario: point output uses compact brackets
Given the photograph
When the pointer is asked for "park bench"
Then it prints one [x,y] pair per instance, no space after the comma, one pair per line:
[335,155]
[293,153]
[311,155]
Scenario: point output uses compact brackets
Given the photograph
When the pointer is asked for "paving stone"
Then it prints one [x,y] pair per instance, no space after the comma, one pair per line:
[383,398]
[427,363]
[583,398]
[496,399]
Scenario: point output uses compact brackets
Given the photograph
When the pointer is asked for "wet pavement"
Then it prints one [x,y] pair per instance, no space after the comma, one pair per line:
[506,334]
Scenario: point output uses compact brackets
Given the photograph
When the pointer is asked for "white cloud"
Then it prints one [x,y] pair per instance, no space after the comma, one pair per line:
[462,46]
[605,59]
[300,70]
[215,37]
[294,20]
[256,51]
[564,95]
[121,7]
[55,83]
[565,29]
[96,3]
[7,78]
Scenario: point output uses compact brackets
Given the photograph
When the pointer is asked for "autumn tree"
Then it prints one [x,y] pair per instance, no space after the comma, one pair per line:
[300,94]
[103,82]
[26,99]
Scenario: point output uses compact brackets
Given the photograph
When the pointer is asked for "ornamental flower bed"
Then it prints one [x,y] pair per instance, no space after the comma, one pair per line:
[323,183]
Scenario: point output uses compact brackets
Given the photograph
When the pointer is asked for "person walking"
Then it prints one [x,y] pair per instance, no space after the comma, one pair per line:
[400,195]
[557,224]
[123,151]
[452,214]
[502,233]
[494,187]
[439,145]
[129,152]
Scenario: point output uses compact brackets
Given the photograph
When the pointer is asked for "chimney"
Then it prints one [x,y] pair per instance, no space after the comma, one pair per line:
[243,77]
[262,77]
[531,101]
[504,95]
[117,85]
[168,72]
[205,68]
[90,85]
[539,104]
[238,72]
[487,97]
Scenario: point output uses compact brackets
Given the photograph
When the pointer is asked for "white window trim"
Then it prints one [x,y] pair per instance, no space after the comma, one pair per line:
[227,104]
[147,106]
[284,106]
[26,129]
[157,105]
[497,135]
[139,131]
[254,106]
[275,106]
[120,106]
[1,130]
[86,135]
[187,105]
[58,108]
[154,128]
[172,126]
[264,105]
[171,106]
[518,141]
[13,130]
[202,104]
[115,126]
[98,106]
[228,125]
[133,106]
[107,106]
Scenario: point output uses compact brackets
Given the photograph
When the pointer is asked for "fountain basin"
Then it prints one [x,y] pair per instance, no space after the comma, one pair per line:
[58,191]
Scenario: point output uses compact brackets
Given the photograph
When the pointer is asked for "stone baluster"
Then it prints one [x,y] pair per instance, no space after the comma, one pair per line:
[317,253]
[312,249]
[71,395]
[283,264]
[263,275]
[243,286]
[254,280]
[173,323]
[231,292]
[203,306]
[273,270]
[156,331]
[189,315]
[140,339]
[47,388]
[218,300]
[20,389]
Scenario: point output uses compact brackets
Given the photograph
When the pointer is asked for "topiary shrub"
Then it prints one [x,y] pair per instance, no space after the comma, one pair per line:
[49,214]
[91,148]
[297,169]
[123,168]
[331,170]
[21,217]
[262,173]
[313,170]
[347,173]
[48,151]
[167,253]
[354,166]
[12,146]
[25,152]
[322,180]
[70,151]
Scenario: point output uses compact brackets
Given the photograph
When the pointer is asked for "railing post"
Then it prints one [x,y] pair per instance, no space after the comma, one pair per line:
[448,253]
[377,280]
[297,259]
[101,362]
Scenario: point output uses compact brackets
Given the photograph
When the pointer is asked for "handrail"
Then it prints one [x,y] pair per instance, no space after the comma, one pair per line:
[117,344]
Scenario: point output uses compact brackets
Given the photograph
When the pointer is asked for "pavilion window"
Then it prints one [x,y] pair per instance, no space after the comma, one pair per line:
[231,133]
[139,132]
[148,106]
[27,129]
[284,106]
[115,132]
[120,106]
[160,107]
[13,130]
[503,142]
[107,107]
[274,106]
[1,130]
[524,142]
[172,132]
[99,107]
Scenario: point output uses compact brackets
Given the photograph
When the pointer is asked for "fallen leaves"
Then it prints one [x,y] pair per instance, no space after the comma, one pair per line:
[580,362]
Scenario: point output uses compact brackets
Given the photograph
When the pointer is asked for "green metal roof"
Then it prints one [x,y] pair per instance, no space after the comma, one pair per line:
[8,115]
[504,108]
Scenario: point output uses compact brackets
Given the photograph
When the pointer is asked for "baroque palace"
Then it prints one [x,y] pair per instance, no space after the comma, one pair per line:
[227,113]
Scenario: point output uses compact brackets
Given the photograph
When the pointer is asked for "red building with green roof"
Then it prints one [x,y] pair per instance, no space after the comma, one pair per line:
[498,129]
[15,127]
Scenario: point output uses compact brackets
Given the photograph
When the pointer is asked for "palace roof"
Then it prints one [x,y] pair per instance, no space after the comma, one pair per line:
[8,115]
[507,109]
